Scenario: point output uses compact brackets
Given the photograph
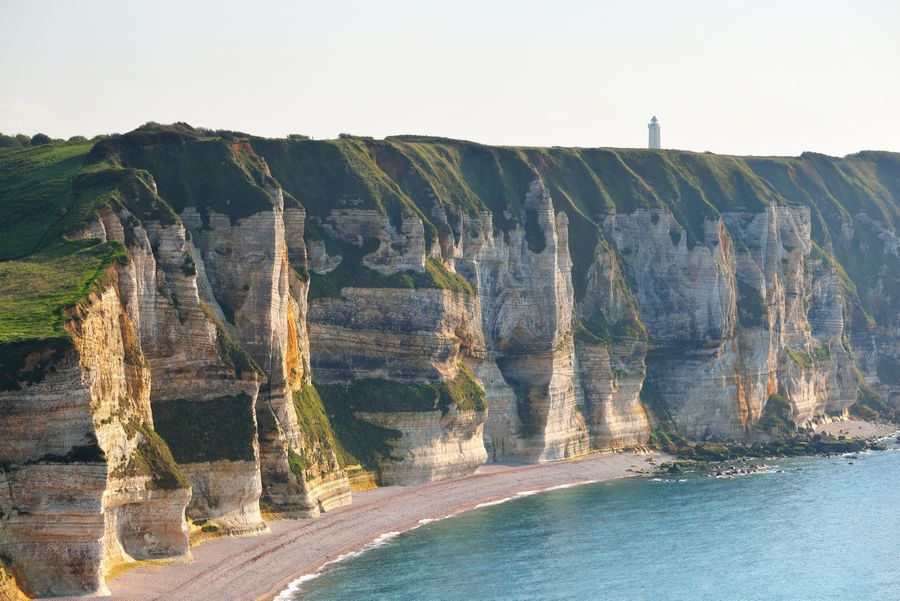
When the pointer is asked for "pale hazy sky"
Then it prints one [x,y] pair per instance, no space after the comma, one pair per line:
[750,77]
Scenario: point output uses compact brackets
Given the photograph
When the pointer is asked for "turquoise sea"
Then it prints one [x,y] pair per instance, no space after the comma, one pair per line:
[822,529]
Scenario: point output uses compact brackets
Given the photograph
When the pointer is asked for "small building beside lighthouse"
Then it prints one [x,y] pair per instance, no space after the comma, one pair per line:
[654,133]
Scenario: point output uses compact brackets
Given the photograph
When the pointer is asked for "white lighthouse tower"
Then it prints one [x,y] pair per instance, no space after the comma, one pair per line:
[654,133]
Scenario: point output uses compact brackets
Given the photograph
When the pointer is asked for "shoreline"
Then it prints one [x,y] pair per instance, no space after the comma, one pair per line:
[261,567]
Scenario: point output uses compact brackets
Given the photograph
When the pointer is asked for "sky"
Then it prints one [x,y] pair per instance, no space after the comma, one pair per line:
[764,77]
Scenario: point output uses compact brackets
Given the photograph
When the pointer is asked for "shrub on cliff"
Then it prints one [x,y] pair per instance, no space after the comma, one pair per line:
[315,456]
[352,273]
[871,406]
[151,458]
[777,419]
[358,442]
[208,430]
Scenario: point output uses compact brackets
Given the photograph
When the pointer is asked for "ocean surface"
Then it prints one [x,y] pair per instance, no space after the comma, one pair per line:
[822,529]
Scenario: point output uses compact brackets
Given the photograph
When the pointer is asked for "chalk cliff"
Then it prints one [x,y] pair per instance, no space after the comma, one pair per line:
[211,327]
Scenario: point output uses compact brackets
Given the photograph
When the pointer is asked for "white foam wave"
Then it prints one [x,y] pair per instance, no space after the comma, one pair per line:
[492,503]
[288,593]
[570,485]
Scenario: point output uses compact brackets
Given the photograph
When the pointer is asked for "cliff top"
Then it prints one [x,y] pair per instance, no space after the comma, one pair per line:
[156,171]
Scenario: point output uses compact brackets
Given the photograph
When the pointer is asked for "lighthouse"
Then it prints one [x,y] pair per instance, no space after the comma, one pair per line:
[654,132]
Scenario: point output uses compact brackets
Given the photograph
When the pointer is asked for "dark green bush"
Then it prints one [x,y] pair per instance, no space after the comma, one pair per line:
[197,431]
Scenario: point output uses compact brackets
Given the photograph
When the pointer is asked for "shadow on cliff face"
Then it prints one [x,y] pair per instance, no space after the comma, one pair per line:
[529,376]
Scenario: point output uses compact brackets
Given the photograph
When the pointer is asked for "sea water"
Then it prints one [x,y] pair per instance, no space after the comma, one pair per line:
[810,529]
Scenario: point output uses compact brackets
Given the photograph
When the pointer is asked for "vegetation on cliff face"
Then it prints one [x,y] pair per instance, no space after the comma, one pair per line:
[353,273]
[751,306]
[198,431]
[652,400]
[152,459]
[315,457]
[358,442]
[596,330]
[777,417]
[229,351]
[374,395]
[871,406]
[463,391]
[361,442]
[808,359]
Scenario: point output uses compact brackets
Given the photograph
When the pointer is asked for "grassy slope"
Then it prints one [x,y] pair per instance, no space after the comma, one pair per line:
[35,290]
[45,192]
[194,168]
[35,192]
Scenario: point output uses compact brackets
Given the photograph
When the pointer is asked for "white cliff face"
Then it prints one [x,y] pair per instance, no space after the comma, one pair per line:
[162,293]
[78,497]
[684,294]
[405,336]
[612,372]
[722,315]
[552,394]
[536,406]
[517,333]
[612,377]
[805,317]
[432,446]
[251,280]
[417,335]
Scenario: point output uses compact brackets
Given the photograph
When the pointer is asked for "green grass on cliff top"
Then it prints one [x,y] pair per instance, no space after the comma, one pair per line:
[34,292]
[194,168]
[35,194]
[47,192]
